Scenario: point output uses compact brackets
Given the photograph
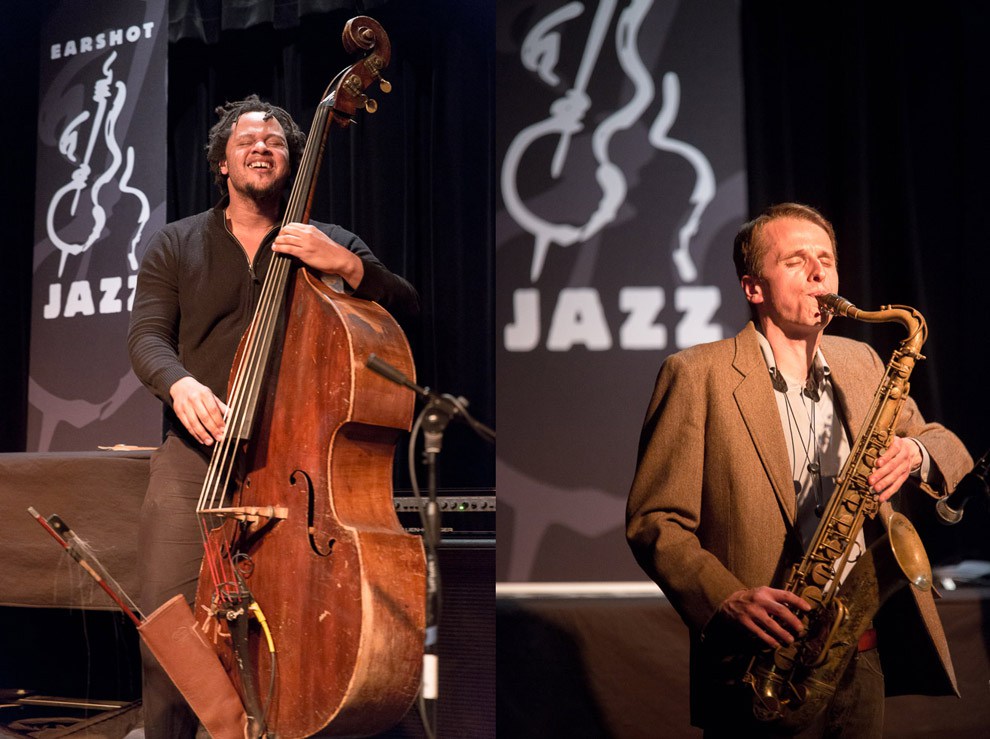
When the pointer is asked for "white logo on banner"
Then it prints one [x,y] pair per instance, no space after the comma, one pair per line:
[113,37]
[579,318]
[79,297]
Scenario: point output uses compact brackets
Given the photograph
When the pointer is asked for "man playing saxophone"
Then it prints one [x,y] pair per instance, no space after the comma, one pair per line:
[738,456]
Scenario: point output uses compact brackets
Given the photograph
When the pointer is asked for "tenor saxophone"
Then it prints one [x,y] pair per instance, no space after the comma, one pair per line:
[792,684]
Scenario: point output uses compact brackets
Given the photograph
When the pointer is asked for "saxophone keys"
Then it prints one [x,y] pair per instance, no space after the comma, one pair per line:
[783,658]
[821,575]
[800,693]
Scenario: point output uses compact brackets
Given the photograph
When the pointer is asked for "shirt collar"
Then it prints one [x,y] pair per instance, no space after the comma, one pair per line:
[820,370]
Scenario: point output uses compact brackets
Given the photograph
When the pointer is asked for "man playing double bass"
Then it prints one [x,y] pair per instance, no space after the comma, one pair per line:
[197,290]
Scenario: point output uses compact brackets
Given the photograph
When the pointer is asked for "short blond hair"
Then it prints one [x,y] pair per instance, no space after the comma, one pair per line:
[749,248]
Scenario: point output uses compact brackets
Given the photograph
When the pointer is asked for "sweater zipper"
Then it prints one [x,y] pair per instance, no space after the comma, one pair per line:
[250,262]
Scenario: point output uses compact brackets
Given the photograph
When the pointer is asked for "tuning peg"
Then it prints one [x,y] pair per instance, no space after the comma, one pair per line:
[369,104]
[384,85]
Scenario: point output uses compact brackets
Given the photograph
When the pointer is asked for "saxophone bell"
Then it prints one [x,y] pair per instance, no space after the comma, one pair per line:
[909,552]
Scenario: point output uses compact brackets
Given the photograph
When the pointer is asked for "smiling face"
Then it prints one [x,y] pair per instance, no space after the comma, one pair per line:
[256,158]
[798,264]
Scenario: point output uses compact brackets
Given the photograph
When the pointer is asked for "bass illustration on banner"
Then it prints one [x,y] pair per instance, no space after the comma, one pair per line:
[104,122]
[539,53]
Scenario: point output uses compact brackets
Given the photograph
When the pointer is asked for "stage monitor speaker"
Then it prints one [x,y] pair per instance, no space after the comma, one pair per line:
[466,705]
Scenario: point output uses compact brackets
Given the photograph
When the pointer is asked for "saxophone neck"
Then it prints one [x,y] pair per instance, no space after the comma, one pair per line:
[907,316]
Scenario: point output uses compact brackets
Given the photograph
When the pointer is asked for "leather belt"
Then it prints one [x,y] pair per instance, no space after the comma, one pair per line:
[868,640]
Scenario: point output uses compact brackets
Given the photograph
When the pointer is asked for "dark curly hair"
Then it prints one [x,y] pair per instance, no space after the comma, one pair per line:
[216,148]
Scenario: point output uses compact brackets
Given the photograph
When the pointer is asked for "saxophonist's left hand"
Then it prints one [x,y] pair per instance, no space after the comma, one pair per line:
[894,466]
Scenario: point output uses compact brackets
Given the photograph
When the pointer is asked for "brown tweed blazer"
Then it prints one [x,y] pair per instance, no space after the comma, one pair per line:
[712,504]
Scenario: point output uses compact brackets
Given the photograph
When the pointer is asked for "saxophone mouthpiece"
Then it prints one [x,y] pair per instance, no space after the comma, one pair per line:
[836,305]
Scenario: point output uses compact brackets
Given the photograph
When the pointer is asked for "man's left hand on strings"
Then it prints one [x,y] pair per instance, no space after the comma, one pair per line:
[319,251]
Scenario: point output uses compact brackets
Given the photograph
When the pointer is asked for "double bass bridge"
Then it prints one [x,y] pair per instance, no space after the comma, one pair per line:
[250,514]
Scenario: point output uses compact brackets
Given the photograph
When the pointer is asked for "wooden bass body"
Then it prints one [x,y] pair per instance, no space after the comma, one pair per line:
[339,581]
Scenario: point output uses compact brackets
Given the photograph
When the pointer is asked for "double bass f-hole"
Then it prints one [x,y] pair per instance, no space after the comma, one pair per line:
[315,538]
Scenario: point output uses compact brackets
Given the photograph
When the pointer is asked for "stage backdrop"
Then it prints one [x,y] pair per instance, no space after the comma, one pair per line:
[622,184]
[100,195]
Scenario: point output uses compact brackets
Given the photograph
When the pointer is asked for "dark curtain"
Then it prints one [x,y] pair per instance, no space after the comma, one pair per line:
[879,119]
[205,19]
[414,180]
[19,33]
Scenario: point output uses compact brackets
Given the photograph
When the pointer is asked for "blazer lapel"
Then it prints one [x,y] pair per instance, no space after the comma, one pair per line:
[762,419]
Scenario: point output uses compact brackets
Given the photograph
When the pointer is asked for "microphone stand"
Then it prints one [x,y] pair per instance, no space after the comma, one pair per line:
[438,411]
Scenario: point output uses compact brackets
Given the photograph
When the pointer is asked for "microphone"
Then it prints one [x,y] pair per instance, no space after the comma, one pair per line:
[810,391]
[950,507]
[389,372]
[777,380]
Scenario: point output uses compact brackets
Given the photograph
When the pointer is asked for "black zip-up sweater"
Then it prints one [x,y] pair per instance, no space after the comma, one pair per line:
[196,295]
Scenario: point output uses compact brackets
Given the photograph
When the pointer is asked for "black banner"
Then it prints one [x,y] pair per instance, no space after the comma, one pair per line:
[100,195]
[622,184]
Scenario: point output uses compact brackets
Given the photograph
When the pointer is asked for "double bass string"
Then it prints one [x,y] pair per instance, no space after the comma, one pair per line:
[244,390]
[247,380]
[249,376]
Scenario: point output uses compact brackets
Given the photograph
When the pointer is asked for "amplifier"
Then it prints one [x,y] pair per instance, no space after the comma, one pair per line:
[466,515]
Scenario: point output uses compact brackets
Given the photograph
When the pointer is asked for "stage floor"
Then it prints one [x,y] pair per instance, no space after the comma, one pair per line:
[617,666]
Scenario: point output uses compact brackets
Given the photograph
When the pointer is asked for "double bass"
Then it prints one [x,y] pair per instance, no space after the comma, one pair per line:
[311,592]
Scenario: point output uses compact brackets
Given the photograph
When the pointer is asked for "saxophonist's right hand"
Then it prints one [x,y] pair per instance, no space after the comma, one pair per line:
[767,613]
